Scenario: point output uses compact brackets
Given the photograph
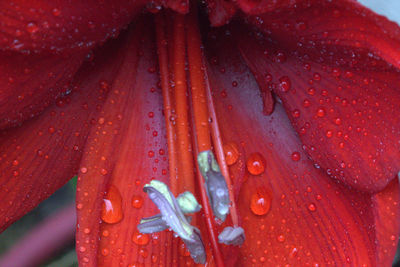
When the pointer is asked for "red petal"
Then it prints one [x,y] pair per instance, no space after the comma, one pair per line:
[340,99]
[312,219]
[265,6]
[44,153]
[125,149]
[62,25]
[29,83]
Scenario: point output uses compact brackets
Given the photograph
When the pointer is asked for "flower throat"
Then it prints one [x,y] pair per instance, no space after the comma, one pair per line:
[192,129]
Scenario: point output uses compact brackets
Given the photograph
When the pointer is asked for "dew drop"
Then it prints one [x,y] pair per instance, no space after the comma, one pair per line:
[32,27]
[321,112]
[296,156]
[260,202]
[112,206]
[137,202]
[312,207]
[284,84]
[231,152]
[255,164]
[140,239]
[280,238]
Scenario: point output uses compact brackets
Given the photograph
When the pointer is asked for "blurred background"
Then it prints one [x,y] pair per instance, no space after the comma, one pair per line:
[53,209]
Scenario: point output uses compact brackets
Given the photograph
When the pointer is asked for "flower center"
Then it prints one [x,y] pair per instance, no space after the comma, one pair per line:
[193,134]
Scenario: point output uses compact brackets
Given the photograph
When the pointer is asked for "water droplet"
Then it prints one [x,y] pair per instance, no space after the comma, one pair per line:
[231,152]
[137,202]
[32,27]
[312,207]
[112,206]
[56,12]
[284,84]
[321,112]
[260,202]
[140,239]
[280,238]
[256,164]
[338,121]
[296,156]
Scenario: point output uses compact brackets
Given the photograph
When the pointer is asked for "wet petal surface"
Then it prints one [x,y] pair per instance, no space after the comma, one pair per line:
[306,217]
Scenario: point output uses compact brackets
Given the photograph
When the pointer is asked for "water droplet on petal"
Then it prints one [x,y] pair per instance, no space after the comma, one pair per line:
[231,152]
[140,239]
[137,202]
[280,238]
[256,164]
[296,156]
[260,202]
[32,27]
[312,207]
[112,206]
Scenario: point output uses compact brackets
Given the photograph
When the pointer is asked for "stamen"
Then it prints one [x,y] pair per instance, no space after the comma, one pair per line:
[217,141]
[185,155]
[217,189]
[173,217]
[232,236]
[188,203]
[202,139]
[198,89]
[162,52]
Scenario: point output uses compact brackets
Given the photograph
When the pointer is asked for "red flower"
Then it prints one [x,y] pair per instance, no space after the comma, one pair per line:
[324,194]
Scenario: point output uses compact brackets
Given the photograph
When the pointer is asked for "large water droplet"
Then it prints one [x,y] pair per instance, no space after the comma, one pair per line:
[260,202]
[112,206]
[256,163]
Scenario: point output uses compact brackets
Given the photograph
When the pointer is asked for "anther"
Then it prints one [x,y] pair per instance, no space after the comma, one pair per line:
[216,186]
[173,217]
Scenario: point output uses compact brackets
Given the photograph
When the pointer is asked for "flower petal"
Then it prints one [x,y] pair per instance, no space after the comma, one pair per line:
[125,151]
[341,27]
[29,83]
[293,213]
[62,25]
[40,156]
[339,98]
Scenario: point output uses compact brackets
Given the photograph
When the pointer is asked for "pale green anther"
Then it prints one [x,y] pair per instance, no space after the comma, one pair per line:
[203,159]
[162,188]
[188,203]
